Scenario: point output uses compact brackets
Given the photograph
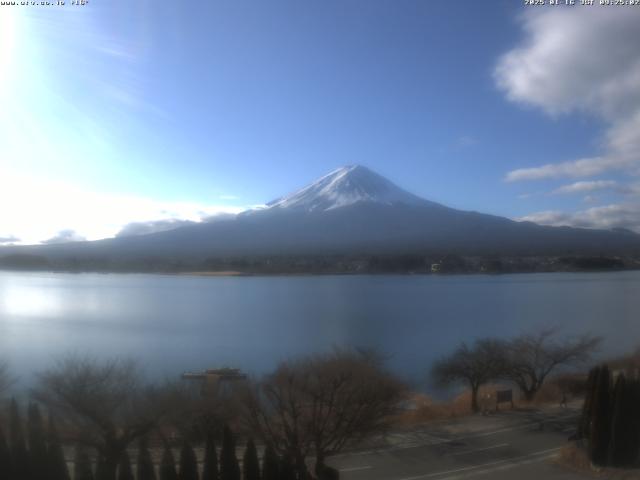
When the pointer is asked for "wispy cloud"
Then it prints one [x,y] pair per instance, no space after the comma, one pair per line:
[604,217]
[8,240]
[65,236]
[37,210]
[585,186]
[465,141]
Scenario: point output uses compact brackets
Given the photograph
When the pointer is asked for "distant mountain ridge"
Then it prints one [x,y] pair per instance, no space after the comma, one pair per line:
[350,211]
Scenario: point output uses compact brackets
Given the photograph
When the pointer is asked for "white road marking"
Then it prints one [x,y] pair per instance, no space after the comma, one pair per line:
[465,452]
[508,461]
[355,469]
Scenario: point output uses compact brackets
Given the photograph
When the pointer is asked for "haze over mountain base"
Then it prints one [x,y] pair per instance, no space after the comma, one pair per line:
[351,220]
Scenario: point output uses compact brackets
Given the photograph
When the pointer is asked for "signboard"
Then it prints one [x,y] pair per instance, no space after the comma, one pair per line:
[503,396]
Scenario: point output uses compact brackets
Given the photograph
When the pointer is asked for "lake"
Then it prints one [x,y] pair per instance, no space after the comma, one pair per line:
[177,323]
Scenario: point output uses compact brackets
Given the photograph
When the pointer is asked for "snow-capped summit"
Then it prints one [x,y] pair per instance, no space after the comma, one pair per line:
[346,186]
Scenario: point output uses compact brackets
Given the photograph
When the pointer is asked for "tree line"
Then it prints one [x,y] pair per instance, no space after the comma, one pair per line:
[305,411]
[526,361]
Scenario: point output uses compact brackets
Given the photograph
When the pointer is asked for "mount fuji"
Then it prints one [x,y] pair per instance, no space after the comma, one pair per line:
[350,211]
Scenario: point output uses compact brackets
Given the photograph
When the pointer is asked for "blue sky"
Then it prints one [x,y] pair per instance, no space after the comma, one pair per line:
[118,112]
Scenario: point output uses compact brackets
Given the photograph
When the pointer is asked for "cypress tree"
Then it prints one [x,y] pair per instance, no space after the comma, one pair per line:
[37,443]
[634,441]
[229,468]
[18,448]
[188,463]
[586,417]
[270,470]
[287,471]
[210,469]
[250,464]
[601,419]
[5,457]
[618,443]
[145,470]
[101,468]
[124,467]
[56,462]
[82,465]
[168,465]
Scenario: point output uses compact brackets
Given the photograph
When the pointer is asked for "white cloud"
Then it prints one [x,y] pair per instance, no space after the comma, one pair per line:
[604,217]
[9,240]
[36,210]
[65,236]
[580,59]
[586,186]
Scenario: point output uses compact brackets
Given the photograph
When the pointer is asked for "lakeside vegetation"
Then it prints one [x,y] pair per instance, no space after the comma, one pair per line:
[326,264]
[105,421]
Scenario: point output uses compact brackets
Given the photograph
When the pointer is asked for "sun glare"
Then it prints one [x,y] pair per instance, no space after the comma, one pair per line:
[8,34]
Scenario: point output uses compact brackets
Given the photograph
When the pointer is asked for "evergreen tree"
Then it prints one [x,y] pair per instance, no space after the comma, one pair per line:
[102,472]
[586,417]
[188,463]
[623,446]
[19,453]
[124,467]
[229,468]
[287,471]
[37,442]
[168,465]
[250,464]
[82,466]
[145,470]
[5,457]
[600,430]
[210,470]
[56,462]
[270,470]
[634,421]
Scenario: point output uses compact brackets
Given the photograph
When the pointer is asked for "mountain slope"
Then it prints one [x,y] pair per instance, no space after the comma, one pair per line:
[349,211]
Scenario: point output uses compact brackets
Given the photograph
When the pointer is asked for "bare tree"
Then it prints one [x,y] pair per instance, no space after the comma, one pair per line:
[318,405]
[474,365]
[104,404]
[532,357]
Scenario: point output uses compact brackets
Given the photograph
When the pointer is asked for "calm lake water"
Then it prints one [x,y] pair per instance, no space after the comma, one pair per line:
[177,323]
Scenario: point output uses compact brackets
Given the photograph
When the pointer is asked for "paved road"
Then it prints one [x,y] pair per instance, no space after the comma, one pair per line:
[509,445]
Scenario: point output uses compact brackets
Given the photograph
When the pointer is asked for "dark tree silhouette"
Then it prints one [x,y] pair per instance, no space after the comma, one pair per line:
[473,365]
[104,402]
[210,468]
[56,461]
[37,442]
[531,358]
[584,426]
[188,463]
[168,465]
[144,469]
[124,467]
[229,468]
[320,404]
[19,453]
[5,457]
[270,464]
[600,430]
[287,470]
[82,468]
[250,464]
